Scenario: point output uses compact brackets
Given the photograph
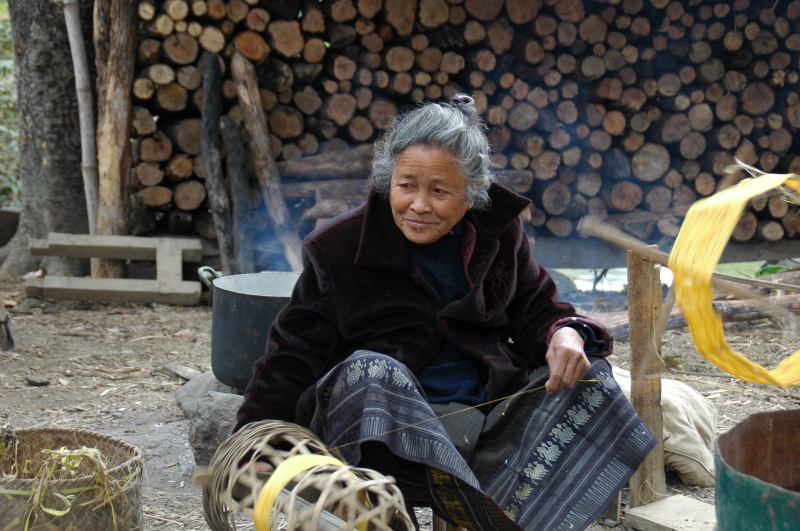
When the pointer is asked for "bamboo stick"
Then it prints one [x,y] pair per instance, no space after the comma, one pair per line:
[591,226]
[83,88]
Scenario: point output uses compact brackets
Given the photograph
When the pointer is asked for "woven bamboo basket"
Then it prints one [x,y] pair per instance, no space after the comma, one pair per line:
[325,497]
[70,480]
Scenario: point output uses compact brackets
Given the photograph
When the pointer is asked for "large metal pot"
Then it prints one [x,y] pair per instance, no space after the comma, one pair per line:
[243,308]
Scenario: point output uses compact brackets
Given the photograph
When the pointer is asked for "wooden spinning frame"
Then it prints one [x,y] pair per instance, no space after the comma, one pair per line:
[311,487]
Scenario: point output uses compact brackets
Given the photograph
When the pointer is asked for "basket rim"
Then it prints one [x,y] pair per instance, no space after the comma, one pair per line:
[132,459]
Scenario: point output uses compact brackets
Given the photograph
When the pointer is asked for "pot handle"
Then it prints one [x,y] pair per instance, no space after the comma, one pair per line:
[207,276]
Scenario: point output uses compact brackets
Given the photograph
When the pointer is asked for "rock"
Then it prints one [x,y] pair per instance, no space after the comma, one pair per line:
[210,429]
[187,373]
[197,389]
[37,381]
[211,408]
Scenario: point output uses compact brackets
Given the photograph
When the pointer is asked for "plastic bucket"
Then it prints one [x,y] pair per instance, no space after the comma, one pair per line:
[758,474]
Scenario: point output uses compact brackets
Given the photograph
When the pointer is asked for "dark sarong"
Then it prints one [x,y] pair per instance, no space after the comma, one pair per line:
[537,462]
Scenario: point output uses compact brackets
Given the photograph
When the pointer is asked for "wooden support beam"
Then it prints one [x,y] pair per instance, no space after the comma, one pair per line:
[439,524]
[675,513]
[168,253]
[648,484]
[113,290]
[115,247]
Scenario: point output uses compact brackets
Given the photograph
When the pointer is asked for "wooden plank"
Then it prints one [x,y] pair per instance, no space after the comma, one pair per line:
[648,484]
[112,290]
[582,253]
[614,508]
[675,513]
[115,247]
[169,266]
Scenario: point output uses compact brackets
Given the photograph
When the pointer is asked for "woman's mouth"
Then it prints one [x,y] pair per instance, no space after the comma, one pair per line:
[417,224]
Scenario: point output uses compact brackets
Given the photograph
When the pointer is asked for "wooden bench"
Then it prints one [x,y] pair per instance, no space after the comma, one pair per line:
[168,253]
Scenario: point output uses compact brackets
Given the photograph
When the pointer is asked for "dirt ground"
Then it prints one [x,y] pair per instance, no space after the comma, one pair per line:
[102,367]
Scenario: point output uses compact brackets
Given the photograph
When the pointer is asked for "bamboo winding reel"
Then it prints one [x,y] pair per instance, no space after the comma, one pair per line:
[311,487]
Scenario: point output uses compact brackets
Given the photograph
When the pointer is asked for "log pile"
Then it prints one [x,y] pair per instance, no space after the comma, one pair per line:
[629,110]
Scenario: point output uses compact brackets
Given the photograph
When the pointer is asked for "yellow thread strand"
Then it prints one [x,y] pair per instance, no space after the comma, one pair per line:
[282,476]
[294,465]
[706,230]
[453,413]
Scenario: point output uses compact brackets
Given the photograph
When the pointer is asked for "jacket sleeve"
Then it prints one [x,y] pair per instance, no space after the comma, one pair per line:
[299,347]
[535,311]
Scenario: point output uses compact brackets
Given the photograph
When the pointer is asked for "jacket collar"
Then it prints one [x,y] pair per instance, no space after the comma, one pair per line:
[383,245]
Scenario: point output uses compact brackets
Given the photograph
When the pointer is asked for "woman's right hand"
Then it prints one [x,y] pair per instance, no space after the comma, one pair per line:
[264,467]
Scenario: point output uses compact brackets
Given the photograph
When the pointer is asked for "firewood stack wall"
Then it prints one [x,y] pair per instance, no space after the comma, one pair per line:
[630,110]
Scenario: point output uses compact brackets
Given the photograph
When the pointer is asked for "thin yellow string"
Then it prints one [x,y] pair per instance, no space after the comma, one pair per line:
[706,230]
[294,465]
[414,425]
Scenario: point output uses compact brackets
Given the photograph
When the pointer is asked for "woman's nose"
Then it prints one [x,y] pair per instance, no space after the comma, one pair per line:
[420,203]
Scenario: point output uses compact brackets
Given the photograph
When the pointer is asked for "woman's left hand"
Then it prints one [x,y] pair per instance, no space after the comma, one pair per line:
[566,359]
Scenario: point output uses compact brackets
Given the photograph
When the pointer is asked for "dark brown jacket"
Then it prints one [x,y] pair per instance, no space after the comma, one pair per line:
[360,290]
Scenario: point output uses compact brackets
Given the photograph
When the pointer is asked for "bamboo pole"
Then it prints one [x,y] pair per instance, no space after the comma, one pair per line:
[590,226]
[83,88]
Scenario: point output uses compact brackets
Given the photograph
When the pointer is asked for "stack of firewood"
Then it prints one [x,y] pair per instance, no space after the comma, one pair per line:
[629,110]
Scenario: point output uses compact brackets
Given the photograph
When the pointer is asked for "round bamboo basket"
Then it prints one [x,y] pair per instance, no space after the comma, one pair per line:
[324,497]
[69,479]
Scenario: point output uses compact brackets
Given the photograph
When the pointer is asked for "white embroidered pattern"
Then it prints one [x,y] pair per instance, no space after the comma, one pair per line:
[558,439]
[354,373]
[593,397]
[338,387]
[535,471]
[563,433]
[378,369]
[549,452]
[578,415]
[400,379]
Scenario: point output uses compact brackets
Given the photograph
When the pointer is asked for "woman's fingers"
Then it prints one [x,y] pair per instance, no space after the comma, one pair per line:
[263,466]
[566,360]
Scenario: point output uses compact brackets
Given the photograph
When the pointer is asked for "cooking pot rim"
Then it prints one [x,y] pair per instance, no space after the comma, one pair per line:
[262,284]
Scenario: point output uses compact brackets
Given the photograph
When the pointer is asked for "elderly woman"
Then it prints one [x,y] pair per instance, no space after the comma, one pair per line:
[423,340]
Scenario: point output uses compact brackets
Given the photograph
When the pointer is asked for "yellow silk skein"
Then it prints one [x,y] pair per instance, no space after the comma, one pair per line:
[706,230]
[280,478]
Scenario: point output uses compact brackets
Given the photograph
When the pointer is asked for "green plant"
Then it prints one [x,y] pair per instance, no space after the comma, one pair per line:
[10,186]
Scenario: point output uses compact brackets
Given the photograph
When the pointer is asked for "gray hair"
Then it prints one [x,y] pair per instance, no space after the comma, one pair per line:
[455,127]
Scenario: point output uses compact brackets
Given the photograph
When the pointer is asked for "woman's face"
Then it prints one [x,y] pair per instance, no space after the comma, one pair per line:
[428,195]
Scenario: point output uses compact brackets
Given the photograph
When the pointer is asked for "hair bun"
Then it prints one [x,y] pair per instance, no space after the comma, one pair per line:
[461,99]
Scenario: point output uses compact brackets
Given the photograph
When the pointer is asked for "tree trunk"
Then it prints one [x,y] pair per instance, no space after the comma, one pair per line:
[53,199]
[115,39]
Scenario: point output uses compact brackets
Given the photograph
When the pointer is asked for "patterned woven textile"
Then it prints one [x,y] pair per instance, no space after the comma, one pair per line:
[535,461]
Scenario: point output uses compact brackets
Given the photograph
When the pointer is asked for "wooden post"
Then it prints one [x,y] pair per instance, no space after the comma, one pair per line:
[241,213]
[218,196]
[648,484]
[264,164]
[115,38]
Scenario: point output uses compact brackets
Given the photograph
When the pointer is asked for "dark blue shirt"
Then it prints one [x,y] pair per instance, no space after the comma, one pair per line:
[451,376]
